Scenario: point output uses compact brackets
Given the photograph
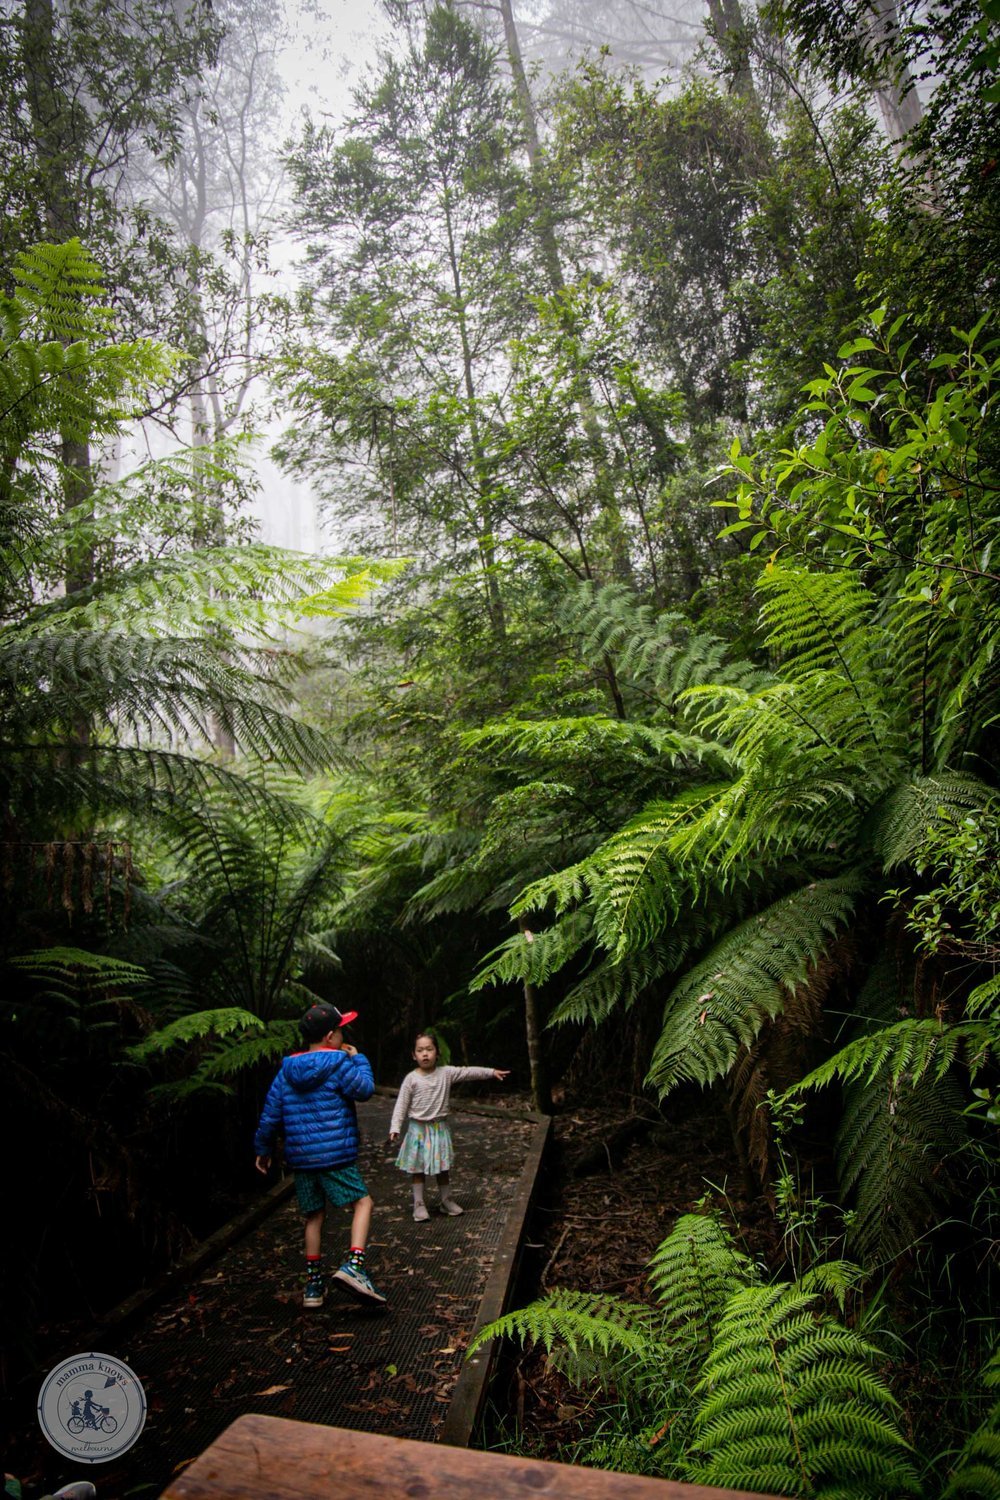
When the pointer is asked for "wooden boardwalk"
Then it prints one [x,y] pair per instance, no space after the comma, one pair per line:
[235,1338]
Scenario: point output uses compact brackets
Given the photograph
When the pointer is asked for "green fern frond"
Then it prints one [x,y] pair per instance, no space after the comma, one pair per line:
[80,969]
[563,889]
[247,1050]
[533,957]
[59,371]
[819,621]
[254,593]
[639,881]
[571,740]
[694,1272]
[579,1322]
[976,1475]
[61,288]
[905,818]
[833,1278]
[609,986]
[746,980]
[908,1049]
[173,690]
[984,998]
[456,888]
[657,652]
[789,1400]
[194,1027]
[894,1146]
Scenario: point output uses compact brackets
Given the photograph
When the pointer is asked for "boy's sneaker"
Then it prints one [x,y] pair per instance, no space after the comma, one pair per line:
[352,1279]
[314,1290]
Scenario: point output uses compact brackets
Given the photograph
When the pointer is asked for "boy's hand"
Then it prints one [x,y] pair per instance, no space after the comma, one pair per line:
[263,1164]
[346,1047]
[500,1074]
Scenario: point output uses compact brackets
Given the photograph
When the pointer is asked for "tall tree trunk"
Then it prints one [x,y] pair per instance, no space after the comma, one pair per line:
[58,122]
[732,40]
[897,96]
[486,542]
[541,1094]
[552,261]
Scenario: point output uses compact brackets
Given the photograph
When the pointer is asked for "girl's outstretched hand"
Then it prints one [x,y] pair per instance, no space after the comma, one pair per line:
[393,1136]
[500,1074]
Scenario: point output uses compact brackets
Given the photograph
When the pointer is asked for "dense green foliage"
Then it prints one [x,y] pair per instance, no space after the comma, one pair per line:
[668,422]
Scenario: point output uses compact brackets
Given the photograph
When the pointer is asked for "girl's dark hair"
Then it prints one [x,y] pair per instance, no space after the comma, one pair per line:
[430,1037]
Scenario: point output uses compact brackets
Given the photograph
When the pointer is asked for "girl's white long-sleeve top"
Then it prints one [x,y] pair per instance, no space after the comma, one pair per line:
[425,1096]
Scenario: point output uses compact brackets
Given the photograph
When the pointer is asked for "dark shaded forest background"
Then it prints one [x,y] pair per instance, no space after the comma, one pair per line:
[641,732]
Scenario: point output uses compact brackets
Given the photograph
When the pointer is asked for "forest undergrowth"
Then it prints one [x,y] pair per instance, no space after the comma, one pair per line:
[598,1216]
[598,1219]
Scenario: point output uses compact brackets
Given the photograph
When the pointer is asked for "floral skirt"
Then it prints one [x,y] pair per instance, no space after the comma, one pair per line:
[426,1148]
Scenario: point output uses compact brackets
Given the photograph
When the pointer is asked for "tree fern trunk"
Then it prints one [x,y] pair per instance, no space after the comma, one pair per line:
[541,1094]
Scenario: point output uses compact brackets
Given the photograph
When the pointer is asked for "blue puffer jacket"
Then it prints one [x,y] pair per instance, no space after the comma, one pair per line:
[312,1102]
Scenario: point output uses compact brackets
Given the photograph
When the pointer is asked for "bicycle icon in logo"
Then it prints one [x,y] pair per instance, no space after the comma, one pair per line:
[90,1413]
[86,1428]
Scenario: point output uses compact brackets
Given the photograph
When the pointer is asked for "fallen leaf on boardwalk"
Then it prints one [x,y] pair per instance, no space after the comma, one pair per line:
[449,1350]
[272,1390]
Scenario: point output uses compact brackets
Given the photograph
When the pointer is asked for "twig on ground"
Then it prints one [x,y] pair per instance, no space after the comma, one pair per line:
[553,1257]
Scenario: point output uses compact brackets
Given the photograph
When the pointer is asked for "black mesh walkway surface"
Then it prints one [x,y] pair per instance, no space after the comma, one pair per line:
[237,1339]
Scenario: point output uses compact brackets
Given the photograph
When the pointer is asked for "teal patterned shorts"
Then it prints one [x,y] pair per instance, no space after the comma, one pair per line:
[341,1185]
[426,1148]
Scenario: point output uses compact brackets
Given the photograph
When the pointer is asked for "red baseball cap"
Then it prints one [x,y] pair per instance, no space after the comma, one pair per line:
[323,1018]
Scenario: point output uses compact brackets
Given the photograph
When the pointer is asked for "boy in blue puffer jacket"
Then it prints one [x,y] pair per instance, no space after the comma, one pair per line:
[312,1100]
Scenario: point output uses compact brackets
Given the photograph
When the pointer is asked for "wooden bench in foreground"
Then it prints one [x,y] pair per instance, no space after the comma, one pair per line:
[271,1458]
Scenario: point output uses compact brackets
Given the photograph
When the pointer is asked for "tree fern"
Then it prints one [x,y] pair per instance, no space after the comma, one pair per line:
[789,1402]
[746,980]
[775,1056]
[147,663]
